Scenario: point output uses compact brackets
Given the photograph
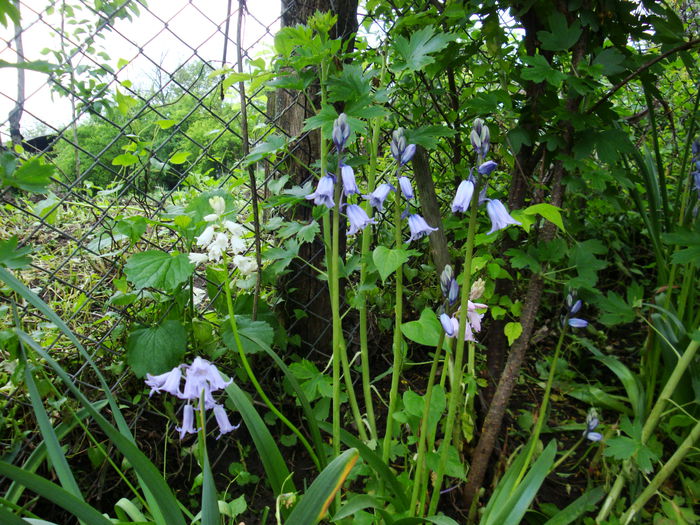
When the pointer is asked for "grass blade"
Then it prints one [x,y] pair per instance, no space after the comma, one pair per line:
[584,503]
[270,455]
[314,505]
[55,494]
[150,478]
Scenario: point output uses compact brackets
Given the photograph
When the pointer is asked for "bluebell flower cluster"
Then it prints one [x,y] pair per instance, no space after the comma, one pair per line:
[500,218]
[201,378]
[591,425]
[450,291]
[573,306]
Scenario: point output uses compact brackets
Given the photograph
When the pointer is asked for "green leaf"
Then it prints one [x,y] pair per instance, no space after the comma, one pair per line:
[351,84]
[251,334]
[583,257]
[548,211]
[315,502]
[427,136]
[611,61]
[562,36]
[33,175]
[48,209]
[11,256]
[55,494]
[165,123]
[356,504]
[616,310]
[584,503]
[539,71]
[124,102]
[425,331]
[41,66]
[388,260]
[414,53]
[512,331]
[157,269]
[156,350]
[179,158]
[133,227]
[273,462]
[620,447]
[271,146]
[125,159]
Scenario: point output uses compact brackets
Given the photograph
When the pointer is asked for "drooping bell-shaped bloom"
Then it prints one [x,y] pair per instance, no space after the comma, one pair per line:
[238,245]
[473,316]
[202,376]
[218,246]
[234,228]
[487,167]
[406,189]
[348,177]
[206,236]
[463,197]
[187,422]
[451,327]
[198,258]
[358,218]
[247,265]
[225,425]
[168,382]
[324,192]
[341,131]
[447,326]
[418,227]
[377,197]
[575,322]
[480,137]
[500,218]
[401,151]
[574,305]
[591,424]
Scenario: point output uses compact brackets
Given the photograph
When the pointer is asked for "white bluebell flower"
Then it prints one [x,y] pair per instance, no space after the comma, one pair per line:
[324,192]
[341,131]
[487,167]
[406,189]
[168,382]
[500,218]
[418,227]
[463,197]
[202,376]
[358,218]
[347,174]
[377,197]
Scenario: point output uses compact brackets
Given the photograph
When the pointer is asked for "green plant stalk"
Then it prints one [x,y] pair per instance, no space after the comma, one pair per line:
[361,294]
[418,481]
[398,339]
[542,415]
[662,475]
[337,325]
[681,366]
[210,506]
[249,370]
[456,383]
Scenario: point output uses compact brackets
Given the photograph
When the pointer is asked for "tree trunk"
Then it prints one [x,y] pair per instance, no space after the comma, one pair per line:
[301,289]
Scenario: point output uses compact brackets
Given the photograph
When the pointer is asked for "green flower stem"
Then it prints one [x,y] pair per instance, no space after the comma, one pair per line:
[361,293]
[418,481]
[456,382]
[681,366]
[613,494]
[662,475]
[567,454]
[249,370]
[335,312]
[542,415]
[350,388]
[398,339]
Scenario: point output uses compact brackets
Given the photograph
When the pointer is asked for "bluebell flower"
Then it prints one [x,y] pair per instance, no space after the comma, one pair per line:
[225,425]
[575,322]
[187,422]
[448,285]
[358,218]
[447,325]
[591,424]
[341,131]
[401,151]
[348,177]
[480,137]
[377,197]
[463,197]
[451,327]
[418,227]
[500,218]
[406,189]
[168,382]
[487,167]
[324,192]
[573,305]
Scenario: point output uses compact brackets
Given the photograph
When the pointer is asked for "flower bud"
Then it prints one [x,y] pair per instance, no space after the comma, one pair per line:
[446,277]
[477,289]
[341,131]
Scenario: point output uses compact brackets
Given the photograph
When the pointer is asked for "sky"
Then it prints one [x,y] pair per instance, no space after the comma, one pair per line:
[191,24]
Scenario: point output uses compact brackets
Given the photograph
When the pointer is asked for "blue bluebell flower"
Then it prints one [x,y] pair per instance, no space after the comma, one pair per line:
[341,131]
[448,285]
[225,425]
[401,151]
[377,197]
[348,177]
[574,305]
[447,325]
[187,422]
[418,227]
[463,197]
[324,192]
[487,167]
[500,218]
[358,218]
[480,137]
[406,189]
[591,424]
